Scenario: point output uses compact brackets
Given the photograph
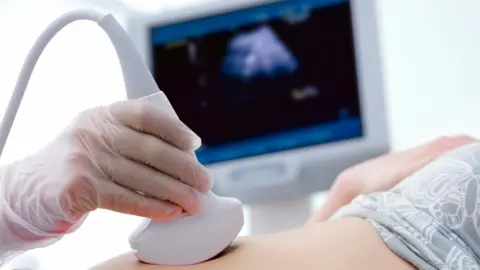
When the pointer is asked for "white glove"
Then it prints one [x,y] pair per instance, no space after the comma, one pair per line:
[129,157]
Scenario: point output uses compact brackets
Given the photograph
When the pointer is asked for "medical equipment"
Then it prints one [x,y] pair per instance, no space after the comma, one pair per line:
[199,237]
[284,94]
[221,219]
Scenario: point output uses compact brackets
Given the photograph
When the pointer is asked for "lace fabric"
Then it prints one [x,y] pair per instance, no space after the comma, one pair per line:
[432,218]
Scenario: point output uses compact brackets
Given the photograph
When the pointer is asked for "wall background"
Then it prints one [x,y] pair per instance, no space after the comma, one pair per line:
[431,58]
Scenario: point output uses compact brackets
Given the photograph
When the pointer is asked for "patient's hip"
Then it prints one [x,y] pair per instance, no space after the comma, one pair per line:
[432,218]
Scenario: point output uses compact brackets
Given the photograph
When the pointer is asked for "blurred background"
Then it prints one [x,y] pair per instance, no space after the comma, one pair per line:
[430,52]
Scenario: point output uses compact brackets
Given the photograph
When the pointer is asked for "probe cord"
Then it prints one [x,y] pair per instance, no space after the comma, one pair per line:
[30,62]
[137,78]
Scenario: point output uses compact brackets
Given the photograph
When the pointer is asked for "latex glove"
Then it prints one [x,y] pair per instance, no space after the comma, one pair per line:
[383,173]
[129,157]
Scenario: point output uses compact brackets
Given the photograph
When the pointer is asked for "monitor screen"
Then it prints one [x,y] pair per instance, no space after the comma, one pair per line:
[260,80]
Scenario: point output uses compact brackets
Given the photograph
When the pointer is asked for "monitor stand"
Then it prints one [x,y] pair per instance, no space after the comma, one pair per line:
[279,216]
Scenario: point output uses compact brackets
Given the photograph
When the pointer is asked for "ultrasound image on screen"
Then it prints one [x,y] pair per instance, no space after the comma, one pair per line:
[250,86]
[256,54]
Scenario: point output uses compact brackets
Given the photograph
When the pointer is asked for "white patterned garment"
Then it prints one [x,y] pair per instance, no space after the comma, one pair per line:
[432,218]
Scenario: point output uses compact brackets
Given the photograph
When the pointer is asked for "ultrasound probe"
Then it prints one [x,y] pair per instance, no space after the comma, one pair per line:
[187,240]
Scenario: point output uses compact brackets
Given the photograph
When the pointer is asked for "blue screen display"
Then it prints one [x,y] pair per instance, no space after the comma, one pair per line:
[260,80]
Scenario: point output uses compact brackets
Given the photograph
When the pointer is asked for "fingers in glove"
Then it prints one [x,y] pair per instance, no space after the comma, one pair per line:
[145,117]
[123,200]
[139,177]
[156,153]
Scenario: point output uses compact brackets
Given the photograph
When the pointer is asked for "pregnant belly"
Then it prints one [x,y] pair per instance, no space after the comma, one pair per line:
[348,243]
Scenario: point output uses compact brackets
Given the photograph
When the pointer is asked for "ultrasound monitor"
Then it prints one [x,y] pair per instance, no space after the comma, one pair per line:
[284,94]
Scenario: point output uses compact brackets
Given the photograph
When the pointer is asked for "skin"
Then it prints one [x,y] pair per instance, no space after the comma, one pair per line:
[339,244]
[348,243]
[384,172]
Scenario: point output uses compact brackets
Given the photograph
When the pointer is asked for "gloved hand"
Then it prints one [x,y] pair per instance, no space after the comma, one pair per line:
[383,173]
[129,157]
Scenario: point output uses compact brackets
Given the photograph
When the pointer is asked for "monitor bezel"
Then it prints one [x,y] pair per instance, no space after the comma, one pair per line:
[375,139]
